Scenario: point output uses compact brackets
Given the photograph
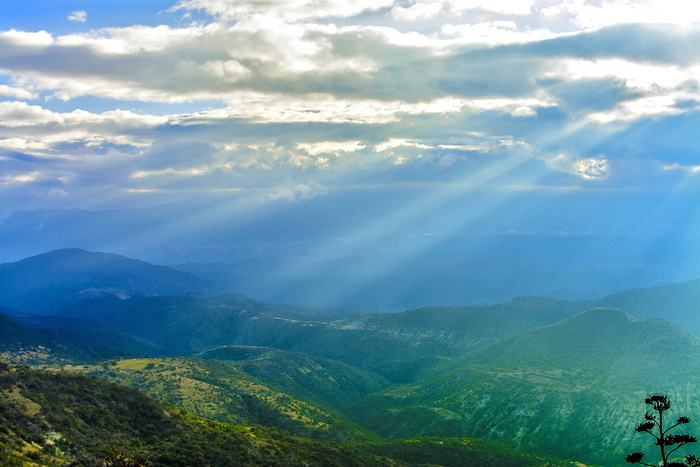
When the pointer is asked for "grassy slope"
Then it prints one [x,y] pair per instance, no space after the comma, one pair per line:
[220,391]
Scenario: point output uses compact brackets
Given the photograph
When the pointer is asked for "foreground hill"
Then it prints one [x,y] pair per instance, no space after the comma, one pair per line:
[51,418]
[48,282]
[298,393]
[56,419]
[572,389]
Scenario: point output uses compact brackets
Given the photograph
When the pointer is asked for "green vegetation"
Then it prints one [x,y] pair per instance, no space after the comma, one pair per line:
[458,452]
[225,392]
[488,386]
[536,390]
[53,418]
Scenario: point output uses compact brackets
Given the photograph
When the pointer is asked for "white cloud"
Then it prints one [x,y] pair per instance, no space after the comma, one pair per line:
[79,16]
[288,87]
[394,143]
[17,93]
[15,114]
[300,191]
[611,12]
[650,106]
[495,32]
[642,76]
[524,111]
[229,71]
[27,39]
[327,108]
[22,144]
[692,169]
[417,11]
[20,177]
[425,9]
[293,10]
[336,148]
[589,168]
[138,39]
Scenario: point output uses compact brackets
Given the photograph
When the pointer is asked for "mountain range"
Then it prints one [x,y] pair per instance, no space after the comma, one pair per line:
[313,253]
[545,376]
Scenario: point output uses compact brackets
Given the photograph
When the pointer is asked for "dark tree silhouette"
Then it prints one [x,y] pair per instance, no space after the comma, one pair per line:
[112,457]
[667,442]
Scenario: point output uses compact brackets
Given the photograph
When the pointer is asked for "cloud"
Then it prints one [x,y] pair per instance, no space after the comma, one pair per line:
[300,191]
[79,16]
[268,95]
[692,169]
[587,168]
[294,10]
[17,93]
[336,148]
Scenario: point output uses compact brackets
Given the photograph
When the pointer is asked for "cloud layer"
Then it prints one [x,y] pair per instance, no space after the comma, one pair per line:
[290,99]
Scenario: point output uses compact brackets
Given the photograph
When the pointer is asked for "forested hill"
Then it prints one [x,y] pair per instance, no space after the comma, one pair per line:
[55,419]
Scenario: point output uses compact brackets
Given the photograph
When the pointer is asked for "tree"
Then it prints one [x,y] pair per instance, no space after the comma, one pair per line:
[668,443]
[112,457]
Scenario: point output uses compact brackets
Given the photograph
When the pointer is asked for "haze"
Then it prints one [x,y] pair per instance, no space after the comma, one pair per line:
[556,140]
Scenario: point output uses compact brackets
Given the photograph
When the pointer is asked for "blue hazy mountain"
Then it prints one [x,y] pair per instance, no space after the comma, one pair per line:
[352,249]
[48,282]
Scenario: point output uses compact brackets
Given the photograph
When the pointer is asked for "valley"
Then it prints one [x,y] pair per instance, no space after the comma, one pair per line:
[534,381]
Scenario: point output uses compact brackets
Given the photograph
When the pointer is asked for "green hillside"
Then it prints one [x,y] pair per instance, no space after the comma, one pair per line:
[325,382]
[224,392]
[58,419]
[572,389]
[398,346]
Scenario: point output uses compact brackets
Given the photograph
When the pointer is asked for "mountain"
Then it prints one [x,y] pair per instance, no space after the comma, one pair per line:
[573,389]
[55,419]
[22,344]
[48,282]
[679,303]
[315,262]
[477,271]
[398,346]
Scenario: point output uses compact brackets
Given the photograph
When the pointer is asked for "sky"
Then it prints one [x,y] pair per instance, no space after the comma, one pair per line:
[572,116]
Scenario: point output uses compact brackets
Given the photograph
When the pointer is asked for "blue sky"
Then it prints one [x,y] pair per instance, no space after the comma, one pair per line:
[583,114]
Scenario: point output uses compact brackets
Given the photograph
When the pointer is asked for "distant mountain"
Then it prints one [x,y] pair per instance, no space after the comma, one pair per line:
[573,389]
[679,303]
[498,270]
[398,346]
[308,251]
[48,282]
